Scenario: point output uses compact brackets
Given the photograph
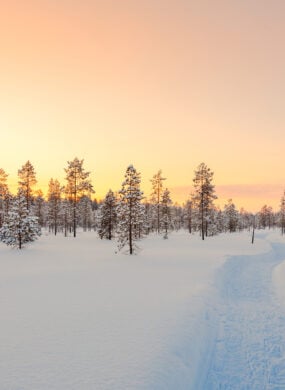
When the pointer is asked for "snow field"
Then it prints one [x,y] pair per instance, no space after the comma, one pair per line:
[74,314]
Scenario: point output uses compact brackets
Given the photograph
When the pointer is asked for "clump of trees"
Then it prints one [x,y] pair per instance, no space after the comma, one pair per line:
[20,226]
[127,215]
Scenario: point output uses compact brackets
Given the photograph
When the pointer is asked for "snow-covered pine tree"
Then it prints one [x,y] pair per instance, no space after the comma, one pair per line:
[282,214]
[130,210]
[39,207]
[5,196]
[19,226]
[188,215]
[265,217]
[220,221]
[148,217]
[177,216]
[213,221]
[166,211]
[96,214]
[54,204]
[65,214]
[203,196]
[231,216]
[77,185]
[245,219]
[27,179]
[157,188]
[85,212]
[195,218]
[108,216]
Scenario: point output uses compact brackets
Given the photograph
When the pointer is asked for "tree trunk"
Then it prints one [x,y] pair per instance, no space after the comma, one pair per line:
[74,218]
[202,230]
[158,218]
[110,230]
[130,239]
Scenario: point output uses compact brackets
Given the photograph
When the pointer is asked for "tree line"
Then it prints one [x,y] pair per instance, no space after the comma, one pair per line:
[126,215]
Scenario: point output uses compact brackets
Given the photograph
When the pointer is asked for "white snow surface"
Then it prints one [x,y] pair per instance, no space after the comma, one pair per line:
[181,314]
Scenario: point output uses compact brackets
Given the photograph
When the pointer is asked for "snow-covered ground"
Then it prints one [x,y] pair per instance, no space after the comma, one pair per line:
[181,314]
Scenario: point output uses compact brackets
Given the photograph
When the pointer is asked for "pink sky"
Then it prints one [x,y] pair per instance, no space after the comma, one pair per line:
[159,84]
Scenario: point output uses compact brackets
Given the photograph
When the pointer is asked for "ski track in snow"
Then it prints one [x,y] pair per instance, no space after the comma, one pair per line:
[246,328]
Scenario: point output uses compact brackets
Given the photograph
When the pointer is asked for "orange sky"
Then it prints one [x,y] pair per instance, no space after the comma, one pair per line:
[161,84]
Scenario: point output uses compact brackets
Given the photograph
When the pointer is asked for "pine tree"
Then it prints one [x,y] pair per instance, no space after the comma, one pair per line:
[39,207]
[282,214]
[245,219]
[265,217]
[188,211]
[108,216]
[66,216]
[86,213]
[5,196]
[166,211]
[220,220]
[157,188]
[148,217]
[231,216]
[54,203]
[19,226]
[130,210]
[213,221]
[77,185]
[178,217]
[27,179]
[203,196]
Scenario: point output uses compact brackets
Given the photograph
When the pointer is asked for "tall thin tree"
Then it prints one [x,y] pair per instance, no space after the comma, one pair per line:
[39,207]
[54,204]
[282,214]
[130,210]
[77,185]
[4,195]
[166,211]
[203,196]
[27,179]
[157,189]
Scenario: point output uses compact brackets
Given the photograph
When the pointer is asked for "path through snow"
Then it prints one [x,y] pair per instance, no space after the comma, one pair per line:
[247,348]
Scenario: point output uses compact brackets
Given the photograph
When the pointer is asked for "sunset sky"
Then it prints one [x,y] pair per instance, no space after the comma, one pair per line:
[161,84]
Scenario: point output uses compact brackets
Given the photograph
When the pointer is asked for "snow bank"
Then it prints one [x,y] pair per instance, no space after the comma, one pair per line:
[75,315]
[279,281]
[279,272]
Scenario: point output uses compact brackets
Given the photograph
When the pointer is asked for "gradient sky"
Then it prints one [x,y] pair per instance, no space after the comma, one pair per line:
[161,84]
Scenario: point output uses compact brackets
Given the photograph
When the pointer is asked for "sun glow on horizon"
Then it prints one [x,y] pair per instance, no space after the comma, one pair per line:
[158,84]
[251,197]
